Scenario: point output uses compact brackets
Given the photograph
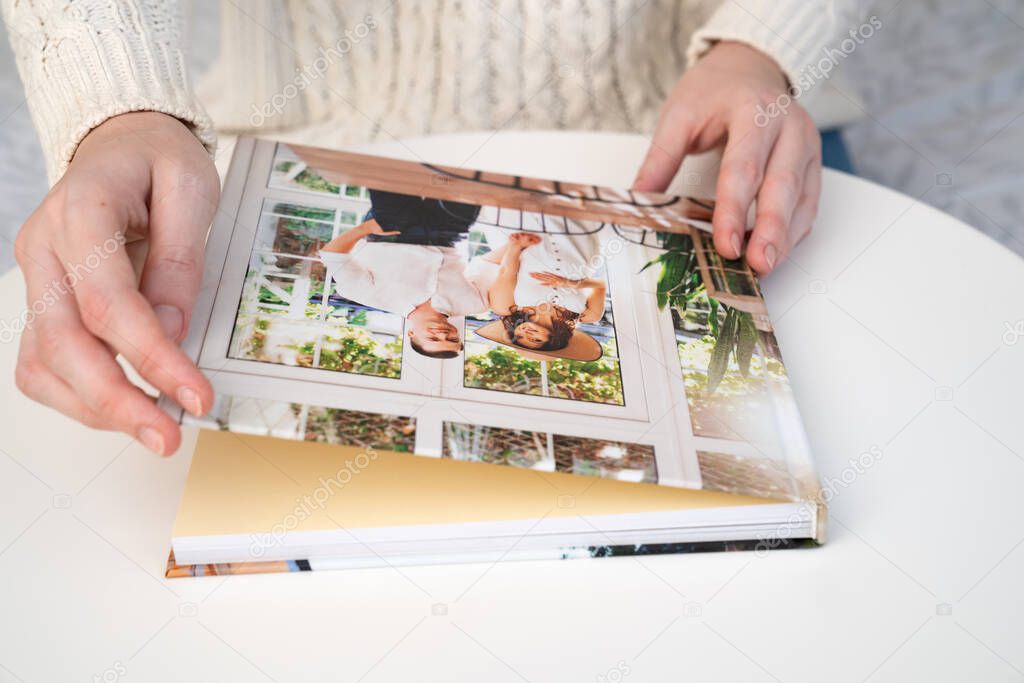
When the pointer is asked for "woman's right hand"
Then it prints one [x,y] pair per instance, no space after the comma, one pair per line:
[145,174]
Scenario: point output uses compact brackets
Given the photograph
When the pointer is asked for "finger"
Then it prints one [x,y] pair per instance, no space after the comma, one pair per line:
[669,145]
[179,218]
[112,309]
[85,365]
[743,164]
[776,200]
[36,381]
[807,208]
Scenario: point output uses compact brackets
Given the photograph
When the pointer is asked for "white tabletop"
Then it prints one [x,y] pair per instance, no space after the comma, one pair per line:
[894,321]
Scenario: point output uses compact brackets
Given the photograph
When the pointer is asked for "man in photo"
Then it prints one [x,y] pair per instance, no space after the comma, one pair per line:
[403,259]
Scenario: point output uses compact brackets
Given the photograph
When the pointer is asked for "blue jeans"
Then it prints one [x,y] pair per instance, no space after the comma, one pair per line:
[833,151]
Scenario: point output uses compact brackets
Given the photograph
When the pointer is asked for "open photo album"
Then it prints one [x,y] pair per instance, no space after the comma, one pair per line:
[579,372]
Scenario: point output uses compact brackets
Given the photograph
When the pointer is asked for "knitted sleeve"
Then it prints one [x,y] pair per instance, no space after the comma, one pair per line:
[800,35]
[84,61]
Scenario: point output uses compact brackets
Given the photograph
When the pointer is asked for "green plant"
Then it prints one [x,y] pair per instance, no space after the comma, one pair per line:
[355,351]
[680,282]
[259,336]
[737,337]
[268,297]
[502,369]
[740,407]
[315,182]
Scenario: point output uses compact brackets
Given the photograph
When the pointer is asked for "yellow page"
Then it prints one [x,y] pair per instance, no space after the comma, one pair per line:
[240,484]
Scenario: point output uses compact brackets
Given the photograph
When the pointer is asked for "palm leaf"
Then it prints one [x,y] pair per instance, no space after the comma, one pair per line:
[724,344]
[746,341]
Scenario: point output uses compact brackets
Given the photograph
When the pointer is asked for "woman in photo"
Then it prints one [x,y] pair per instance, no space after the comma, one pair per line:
[542,286]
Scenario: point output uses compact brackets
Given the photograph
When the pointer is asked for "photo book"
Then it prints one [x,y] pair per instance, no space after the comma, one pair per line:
[425,364]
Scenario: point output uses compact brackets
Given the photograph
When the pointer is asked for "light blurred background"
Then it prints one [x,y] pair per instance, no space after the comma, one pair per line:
[942,83]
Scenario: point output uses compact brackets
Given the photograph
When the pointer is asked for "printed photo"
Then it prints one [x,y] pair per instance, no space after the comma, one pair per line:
[290,312]
[735,384]
[515,447]
[602,458]
[305,422]
[551,452]
[549,330]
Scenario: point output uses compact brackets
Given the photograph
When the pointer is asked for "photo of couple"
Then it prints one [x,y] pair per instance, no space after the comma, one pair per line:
[408,257]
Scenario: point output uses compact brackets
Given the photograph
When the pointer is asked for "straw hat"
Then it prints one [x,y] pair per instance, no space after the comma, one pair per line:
[581,345]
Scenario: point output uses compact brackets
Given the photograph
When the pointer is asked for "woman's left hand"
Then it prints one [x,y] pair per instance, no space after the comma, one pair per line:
[552,280]
[522,240]
[738,95]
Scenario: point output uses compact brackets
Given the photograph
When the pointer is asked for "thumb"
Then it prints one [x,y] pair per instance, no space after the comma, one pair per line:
[181,209]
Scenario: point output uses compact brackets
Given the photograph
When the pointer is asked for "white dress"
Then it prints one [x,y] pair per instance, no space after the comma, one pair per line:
[574,256]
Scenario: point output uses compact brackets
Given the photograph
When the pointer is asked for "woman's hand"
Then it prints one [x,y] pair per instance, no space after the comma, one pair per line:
[727,96]
[346,241]
[373,228]
[552,280]
[522,240]
[136,174]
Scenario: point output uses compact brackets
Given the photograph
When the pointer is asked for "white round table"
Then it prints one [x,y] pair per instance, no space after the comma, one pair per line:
[903,330]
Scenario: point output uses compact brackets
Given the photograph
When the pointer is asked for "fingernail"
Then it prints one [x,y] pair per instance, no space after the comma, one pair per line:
[151,439]
[170,318]
[189,400]
[770,255]
[736,246]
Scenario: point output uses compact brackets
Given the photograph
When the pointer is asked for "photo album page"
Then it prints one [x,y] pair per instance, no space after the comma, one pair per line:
[452,313]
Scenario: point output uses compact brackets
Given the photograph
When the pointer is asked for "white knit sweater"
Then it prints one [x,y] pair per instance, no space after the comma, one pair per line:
[344,71]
